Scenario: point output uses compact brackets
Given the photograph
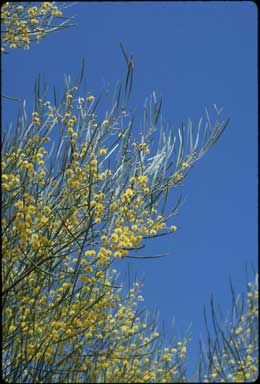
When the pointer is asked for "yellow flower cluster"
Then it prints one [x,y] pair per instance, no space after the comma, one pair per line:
[36,119]
[142,147]
[23,24]
[242,366]
[97,314]
[58,249]
[9,181]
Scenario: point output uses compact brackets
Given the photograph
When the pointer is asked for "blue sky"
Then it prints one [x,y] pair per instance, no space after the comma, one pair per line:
[194,54]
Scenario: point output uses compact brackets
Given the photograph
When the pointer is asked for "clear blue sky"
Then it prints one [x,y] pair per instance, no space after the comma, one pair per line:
[194,54]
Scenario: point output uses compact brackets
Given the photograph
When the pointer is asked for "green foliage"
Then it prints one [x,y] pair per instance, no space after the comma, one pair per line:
[29,22]
[232,351]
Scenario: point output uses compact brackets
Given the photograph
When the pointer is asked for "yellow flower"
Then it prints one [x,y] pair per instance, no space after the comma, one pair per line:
[142,179]
[4,177]
[114,237]
[167,357]
[129,192]
[118,254]
[8,312]
[91,252]
[88,268]
[183,350]
[238,330]
[103,151]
